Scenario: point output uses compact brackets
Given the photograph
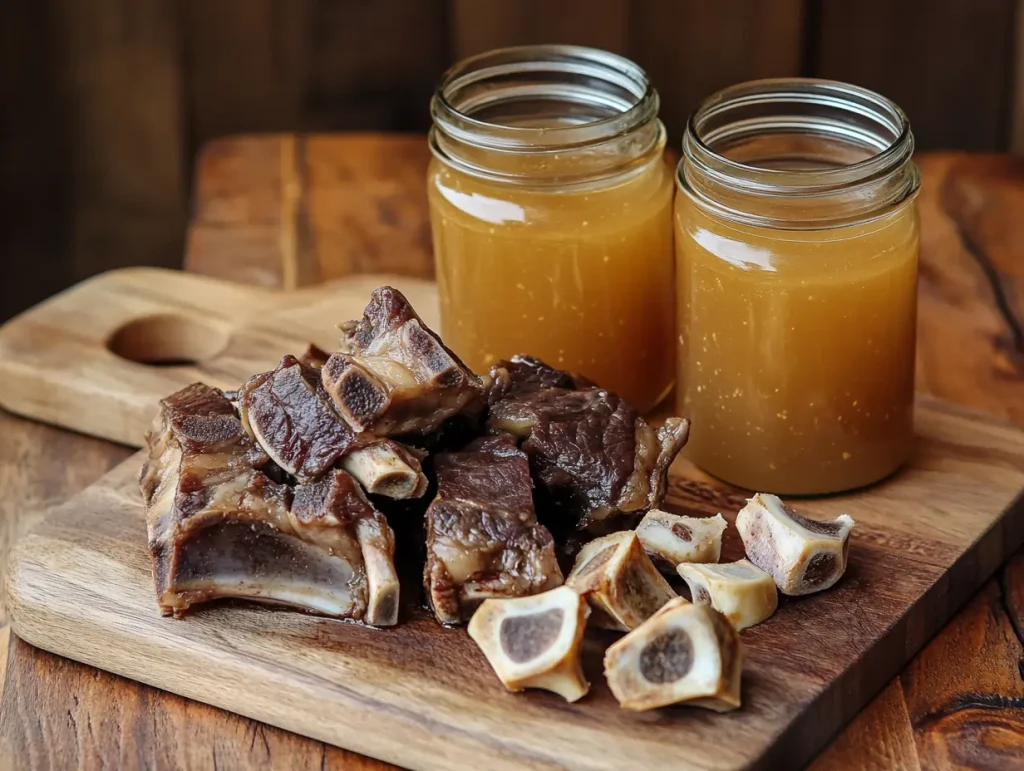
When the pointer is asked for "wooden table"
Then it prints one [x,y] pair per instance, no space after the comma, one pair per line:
[282,211]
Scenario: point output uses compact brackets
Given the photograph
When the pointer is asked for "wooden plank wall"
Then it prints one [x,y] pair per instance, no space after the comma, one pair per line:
[106,102]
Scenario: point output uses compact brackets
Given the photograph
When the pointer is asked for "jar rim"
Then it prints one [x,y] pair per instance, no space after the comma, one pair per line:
[807,132]
[637,103]
[811,91]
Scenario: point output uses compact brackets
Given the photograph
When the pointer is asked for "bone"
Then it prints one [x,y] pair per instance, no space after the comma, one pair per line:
[619,581]
[536,641]
[802,555]
[685,653]
[740,590]
[377,544]
[671,539]
[386,468]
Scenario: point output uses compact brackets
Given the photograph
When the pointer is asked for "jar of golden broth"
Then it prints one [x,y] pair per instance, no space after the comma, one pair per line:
[551,212]
[796,254]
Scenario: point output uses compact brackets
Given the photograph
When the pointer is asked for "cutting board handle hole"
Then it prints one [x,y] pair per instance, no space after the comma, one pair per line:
[168,340]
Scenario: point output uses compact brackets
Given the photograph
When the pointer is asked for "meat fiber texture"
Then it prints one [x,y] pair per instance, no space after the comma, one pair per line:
[263,495]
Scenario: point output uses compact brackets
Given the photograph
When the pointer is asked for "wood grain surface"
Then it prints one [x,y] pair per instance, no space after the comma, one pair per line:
[969,350]
[98,357]
[79,584]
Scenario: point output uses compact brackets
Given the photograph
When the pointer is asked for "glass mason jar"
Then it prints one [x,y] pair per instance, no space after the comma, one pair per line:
[796,262]
[551,214]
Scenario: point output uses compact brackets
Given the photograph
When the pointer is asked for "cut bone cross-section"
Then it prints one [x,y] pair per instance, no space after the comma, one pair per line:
[802,555]
[684,653]
[535,642]
[394,376]
[619,581]
[386,468]
[483,538]
[740,590]
[670,539]
[220,528]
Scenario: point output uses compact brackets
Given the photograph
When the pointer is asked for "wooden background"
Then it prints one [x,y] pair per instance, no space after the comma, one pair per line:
[105,103]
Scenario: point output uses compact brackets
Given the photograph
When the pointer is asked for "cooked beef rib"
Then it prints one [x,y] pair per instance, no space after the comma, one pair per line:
[393,376]
[220,527]
[592,455]
[483,539]
[289,414]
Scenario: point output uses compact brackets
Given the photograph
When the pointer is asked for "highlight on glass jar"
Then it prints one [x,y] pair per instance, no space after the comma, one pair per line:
[551,215]
[796,267]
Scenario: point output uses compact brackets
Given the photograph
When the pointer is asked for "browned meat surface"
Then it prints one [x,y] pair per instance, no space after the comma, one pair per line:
[483,539]
[526,374]
[219,527]
[593,457]
[290,415]
[394,376]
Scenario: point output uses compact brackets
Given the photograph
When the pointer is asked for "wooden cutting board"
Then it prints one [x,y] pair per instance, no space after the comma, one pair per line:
[79,583]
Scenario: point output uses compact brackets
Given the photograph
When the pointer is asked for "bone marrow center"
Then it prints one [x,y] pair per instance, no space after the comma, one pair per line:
[667,658]
[526,637]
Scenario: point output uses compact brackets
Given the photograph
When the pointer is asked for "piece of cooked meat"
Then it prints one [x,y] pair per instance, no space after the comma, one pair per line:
[220,528]
[527,374]
[482,536]
[393,376]
[335,513]
[290,416]
[592,455]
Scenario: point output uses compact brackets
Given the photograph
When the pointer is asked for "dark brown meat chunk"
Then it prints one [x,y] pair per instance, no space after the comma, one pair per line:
[483,539]
[290,415]
[525,374]
[593,457]
[394,376]
[218,527]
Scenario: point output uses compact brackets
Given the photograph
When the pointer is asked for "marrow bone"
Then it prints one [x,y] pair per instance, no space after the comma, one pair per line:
[802,555]
[670,539]
[684,653]
[387,468]
[536,641]
[619,581]
[740,590]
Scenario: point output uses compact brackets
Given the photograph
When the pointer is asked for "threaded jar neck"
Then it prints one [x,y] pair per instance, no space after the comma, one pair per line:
[798,153]
[546,115]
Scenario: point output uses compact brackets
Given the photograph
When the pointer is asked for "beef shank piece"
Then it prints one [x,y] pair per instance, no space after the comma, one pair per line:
[219,527]
[482,537]
[593,456]
[393,376]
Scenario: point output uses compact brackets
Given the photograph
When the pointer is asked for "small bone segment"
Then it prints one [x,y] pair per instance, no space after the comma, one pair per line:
[393,376]
[619,581]
[684,653]
[740,590]
[387,468]
[802,555]
[671,539]
[535,642]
